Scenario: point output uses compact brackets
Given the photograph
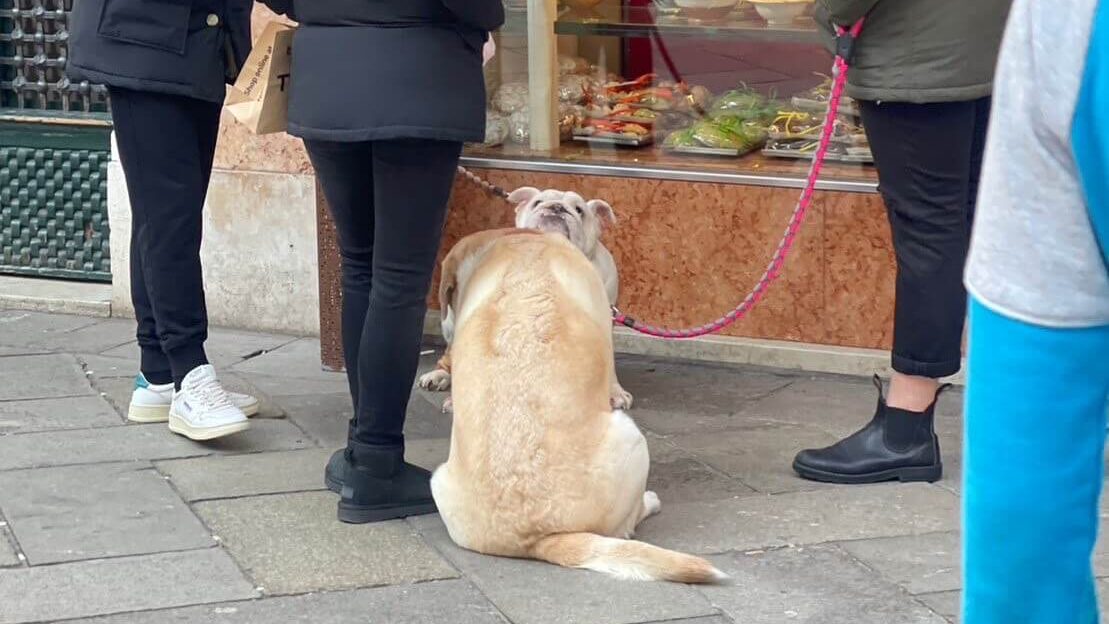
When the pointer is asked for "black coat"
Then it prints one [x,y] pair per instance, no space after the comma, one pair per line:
[182,47]
[389,69]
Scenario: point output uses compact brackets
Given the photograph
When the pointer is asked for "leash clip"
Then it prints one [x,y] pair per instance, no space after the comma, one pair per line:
[845,45]
[845,40]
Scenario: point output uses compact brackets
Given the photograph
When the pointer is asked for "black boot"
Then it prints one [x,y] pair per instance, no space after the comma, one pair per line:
[897,445]
[379,485]
[336,471]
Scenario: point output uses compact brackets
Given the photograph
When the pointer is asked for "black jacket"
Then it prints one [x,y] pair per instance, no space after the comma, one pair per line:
[389,69]
[182,47]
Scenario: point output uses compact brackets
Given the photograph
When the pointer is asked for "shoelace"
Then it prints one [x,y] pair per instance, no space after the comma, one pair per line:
[212,395]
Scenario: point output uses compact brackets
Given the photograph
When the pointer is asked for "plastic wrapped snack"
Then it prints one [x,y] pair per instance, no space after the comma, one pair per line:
[519,127]
[576,88]
[511,97]
[496,128]
[572,65]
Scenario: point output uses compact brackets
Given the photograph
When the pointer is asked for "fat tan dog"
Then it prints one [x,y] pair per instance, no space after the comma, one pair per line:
[581,222]
[540,465]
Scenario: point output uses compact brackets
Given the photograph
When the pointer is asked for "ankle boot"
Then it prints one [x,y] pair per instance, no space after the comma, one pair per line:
[379,485]
[896,445]
[336,471]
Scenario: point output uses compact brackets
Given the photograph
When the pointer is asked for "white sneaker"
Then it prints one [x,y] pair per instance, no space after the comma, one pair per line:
[202,409]
[150,402]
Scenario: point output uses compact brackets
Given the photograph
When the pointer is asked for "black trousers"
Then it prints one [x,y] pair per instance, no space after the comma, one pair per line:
[389,201]
[166,145]
[929,157]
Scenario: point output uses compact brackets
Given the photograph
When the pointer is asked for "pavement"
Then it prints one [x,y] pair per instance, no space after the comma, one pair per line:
[107,522]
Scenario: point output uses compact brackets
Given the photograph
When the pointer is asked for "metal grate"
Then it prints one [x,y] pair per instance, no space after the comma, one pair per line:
[33,36]
[52,217]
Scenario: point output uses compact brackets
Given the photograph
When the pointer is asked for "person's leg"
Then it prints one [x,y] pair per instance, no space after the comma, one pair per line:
[153,364]
[166,145]
[167,181]
[1035,434]
[927,156]
[413,181]
[412,185]
[345,173]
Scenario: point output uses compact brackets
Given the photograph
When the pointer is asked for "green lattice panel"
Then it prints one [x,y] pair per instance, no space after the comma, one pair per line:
[53,217]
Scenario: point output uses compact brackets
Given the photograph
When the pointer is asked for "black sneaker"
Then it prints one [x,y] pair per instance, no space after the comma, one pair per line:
[896,445]
[379,485]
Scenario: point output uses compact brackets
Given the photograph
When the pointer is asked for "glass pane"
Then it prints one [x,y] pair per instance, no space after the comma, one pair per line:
[691,85]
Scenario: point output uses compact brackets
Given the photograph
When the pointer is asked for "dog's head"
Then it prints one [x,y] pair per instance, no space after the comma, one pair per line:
[563,212]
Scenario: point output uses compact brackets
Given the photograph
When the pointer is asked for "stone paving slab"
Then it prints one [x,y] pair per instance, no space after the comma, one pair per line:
[293,543]
[205,478]
[325,417]
[947,604]
[281,388]
[105,367]
[139,442]
[10,351]
[101,336]
[713,619]
[25,329]
[224,347]
[424,603]
[299,359]
[679,477]
[91,512]
[925,564]
[8,555]
[673,397]
[42,377]
[532,592]
[759,454]
[813,584]
[839,514]
[51,414]
[106,586]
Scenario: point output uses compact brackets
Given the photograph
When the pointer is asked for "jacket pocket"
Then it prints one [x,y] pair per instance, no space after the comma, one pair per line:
[161,24]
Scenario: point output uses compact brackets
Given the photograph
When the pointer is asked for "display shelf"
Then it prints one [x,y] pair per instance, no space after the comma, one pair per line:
[617,20]
[752,169]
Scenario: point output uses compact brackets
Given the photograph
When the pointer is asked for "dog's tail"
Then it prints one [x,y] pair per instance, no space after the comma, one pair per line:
[625,559]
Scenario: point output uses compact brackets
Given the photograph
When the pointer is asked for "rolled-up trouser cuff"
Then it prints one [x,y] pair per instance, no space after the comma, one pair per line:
[935,370]
[154,365]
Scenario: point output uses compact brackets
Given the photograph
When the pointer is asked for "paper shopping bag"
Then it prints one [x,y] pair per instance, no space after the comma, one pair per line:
[260,98]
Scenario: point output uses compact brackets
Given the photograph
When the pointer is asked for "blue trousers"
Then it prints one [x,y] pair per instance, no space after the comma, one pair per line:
[1035,437]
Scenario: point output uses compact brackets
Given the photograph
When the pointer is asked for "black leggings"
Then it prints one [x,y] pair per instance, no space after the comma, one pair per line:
[929,157]
[389,200]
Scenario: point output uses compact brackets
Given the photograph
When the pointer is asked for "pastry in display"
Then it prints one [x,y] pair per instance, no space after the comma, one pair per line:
[573,65]
[576,88]
[511,97]
[496,128]
[732,136]
[744,103]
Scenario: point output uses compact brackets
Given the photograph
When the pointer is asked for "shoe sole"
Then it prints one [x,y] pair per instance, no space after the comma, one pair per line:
[160,413]
[358,514]
[916,474]
[201,434]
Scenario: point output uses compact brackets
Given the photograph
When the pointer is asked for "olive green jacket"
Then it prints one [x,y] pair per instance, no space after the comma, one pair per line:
[920,50]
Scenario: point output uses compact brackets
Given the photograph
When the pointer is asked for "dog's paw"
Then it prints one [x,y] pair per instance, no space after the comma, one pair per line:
[651,504]
[437,380]
[619,398]
[448,405]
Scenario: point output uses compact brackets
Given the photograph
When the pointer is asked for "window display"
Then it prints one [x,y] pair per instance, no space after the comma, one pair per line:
[715,86]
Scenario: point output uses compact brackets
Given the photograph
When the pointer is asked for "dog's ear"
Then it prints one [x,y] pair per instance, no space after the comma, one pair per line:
[603,211]
[522,196]
[448,284]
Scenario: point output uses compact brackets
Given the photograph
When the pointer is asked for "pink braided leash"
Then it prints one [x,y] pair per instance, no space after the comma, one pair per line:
[844,43]
[845,40]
